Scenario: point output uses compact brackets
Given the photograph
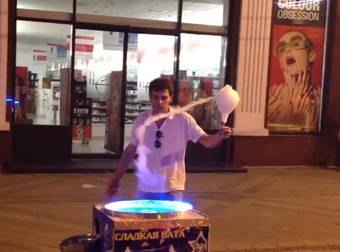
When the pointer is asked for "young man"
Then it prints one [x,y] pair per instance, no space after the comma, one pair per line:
[161,147]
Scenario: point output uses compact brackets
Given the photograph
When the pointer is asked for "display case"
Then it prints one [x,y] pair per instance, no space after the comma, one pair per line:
[133,106]
[82,112]
[99,109]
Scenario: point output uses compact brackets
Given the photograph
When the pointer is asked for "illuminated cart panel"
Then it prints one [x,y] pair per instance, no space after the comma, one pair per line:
[151,228]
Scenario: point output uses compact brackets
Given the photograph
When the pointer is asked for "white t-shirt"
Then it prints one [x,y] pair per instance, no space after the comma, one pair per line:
[163,169]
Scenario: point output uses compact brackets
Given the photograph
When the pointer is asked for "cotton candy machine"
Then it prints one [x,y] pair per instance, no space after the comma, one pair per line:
[147,208]
[151,225]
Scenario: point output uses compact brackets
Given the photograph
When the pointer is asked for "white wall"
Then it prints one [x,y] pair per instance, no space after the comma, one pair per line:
[3,62]
[253,58]
[24,57]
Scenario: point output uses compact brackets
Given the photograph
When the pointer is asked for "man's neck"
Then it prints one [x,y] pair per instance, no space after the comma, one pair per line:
[160,122]
[160,112]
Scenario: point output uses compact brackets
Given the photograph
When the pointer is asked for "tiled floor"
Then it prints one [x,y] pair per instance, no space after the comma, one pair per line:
[266,209]
[97,142]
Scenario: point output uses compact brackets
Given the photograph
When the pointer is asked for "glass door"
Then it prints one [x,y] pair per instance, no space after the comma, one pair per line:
[149,56]
[96,92]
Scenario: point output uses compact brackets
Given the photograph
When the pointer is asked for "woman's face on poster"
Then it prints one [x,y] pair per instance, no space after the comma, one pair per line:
[292,52]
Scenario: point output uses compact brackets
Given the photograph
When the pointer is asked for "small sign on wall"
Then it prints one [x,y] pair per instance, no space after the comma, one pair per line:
[115,41]
[56,51]
[39,55]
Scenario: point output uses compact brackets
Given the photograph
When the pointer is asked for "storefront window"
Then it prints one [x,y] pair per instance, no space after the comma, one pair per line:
[201,75]
[143,9]
[41,56]
[46,5]
[91,102]
[210,12]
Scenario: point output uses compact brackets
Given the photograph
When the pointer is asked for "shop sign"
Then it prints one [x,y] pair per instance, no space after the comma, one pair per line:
[184,239]
[83,46]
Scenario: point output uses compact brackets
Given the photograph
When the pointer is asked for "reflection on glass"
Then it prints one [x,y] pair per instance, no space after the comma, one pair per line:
[149,57]
[96,87]
[209,12]
[41,57]
[201,75]
[47,5]
[143,9]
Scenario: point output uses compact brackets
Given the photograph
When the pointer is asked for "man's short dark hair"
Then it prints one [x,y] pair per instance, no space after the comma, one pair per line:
[161,84]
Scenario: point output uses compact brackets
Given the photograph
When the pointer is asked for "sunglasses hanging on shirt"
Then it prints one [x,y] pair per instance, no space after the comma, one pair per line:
[159,135]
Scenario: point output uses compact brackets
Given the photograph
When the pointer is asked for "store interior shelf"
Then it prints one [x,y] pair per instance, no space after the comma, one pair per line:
[99,111]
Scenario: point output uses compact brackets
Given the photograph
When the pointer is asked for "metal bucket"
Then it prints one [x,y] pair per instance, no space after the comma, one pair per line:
[81,243]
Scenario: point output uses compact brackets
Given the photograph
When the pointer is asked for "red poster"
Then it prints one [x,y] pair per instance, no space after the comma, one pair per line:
[21,90]
[296,66]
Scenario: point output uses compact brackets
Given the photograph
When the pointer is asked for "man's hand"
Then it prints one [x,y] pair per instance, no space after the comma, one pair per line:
[224,132]
[112,188]
[211,141]
[127,156]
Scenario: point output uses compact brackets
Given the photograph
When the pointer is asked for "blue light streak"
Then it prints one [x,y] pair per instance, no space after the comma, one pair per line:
[12,101]
[148,206]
